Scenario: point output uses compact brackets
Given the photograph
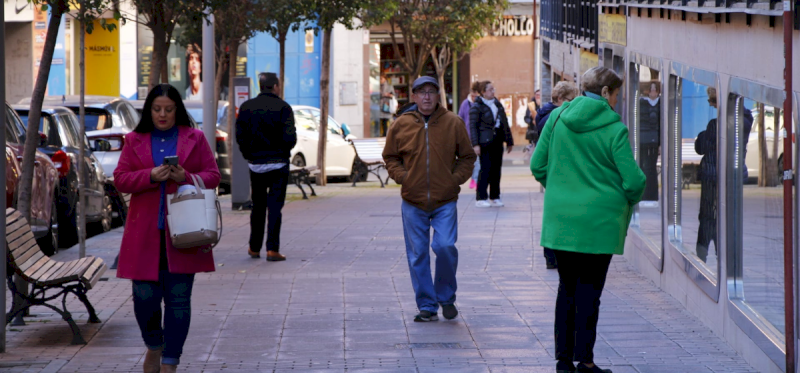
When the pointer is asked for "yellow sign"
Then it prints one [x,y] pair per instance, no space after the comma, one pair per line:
[613,29]
[588,61]
[102,61]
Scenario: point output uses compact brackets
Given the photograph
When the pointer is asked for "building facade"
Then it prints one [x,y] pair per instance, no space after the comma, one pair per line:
[703,99]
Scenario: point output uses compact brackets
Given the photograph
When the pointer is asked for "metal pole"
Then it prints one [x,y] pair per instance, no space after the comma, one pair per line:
[209,106]
[788,232]
[81,207]
[3,247]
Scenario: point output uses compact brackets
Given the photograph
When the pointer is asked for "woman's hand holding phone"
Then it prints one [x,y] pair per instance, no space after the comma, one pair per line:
[177,173]
[159,174]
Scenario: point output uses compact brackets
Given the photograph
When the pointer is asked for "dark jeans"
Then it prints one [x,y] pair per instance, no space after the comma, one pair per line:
[581,281]
[649,154]
[268,193]
[491,165]
[175,290]
[707,231]
[550,256]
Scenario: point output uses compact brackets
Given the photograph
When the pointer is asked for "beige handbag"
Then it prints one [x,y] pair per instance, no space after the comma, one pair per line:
[194,216]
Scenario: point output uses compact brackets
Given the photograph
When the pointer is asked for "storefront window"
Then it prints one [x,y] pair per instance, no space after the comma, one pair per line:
[757,144]
[694,213]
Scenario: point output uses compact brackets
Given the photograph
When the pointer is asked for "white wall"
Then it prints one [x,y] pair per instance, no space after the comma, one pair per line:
[347,65]
[127,53]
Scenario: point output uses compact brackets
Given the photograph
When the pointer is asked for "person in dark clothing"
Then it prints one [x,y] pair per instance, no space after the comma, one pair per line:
[532,134]
[266,134]
[562,92]
[650,139]
[706,145]
[488,131]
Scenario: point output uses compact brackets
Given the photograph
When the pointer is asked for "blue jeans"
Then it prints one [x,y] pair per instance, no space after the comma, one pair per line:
[417,225]
[176,291]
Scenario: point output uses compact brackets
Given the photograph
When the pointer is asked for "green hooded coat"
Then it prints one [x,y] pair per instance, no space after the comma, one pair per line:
[586,163]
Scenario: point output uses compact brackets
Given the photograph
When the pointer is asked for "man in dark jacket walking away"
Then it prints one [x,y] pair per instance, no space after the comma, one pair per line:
[429,153]
[266,134]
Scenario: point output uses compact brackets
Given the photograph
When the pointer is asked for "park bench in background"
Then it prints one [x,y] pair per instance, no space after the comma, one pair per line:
[302,175]
[51,279]
[369,158]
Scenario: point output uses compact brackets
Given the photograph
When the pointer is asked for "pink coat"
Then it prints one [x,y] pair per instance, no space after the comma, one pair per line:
[139,253]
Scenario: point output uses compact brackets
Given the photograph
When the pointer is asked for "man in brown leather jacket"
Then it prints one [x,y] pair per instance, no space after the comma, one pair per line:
[430,154]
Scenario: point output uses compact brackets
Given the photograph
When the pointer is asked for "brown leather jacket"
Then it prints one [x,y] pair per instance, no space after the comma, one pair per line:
[431,160]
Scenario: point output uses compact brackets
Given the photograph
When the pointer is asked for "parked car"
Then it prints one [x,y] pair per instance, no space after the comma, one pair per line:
[44,212]
[752,158]
[107,118]
[340,154]
[195,109]
[60,126]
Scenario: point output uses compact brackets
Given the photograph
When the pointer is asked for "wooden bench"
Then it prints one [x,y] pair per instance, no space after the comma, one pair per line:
[302,175]
[51,279]
[369,158]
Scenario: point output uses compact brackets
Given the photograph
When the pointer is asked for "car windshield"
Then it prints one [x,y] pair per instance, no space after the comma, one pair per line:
[42,119]
[197,114]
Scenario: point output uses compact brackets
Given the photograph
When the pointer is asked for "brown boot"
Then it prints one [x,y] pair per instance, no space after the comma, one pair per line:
[167,368]
[152,361]
[274,256]
[253,254]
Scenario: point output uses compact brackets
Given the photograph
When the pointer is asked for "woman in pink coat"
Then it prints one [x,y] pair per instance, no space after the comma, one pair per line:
[160,271]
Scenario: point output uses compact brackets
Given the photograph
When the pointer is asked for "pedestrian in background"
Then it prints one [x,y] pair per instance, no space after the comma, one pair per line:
[428,152]
[160,271]
[266,134]
[463,112]
[562,92]
[532,134]
[387,94]
[650,138]
[584,159]
[489,130]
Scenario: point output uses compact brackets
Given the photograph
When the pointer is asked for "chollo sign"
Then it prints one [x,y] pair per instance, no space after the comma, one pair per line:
[513,26]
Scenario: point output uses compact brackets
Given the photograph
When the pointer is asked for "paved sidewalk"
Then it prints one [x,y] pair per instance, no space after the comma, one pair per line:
[343,301]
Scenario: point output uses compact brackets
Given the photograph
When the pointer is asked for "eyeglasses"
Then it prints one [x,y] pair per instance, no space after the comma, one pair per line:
[427,93]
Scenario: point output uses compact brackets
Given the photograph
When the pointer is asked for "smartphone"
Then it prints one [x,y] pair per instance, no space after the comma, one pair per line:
[171,160]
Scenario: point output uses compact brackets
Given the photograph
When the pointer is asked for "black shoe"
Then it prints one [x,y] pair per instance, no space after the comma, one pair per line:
[595,369]
[565,367]
[425,316]
[449,311]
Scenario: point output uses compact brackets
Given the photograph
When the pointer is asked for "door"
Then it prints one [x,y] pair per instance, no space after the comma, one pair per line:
[92,188]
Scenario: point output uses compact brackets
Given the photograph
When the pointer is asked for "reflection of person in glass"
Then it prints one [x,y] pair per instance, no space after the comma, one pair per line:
[194,69]
[706,145]
[650,139]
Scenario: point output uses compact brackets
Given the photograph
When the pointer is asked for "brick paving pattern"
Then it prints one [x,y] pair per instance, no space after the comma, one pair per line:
[343,302]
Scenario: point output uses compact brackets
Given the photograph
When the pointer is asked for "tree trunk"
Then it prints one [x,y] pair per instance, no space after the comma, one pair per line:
[282,58]
[221,67]
[232,112]
[81,207]
[324,82]
[763,157]
[160,50]
[57,9]
[440,64]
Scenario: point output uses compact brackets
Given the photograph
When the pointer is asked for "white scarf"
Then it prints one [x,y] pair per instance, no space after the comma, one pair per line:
[651,101]
[491,104]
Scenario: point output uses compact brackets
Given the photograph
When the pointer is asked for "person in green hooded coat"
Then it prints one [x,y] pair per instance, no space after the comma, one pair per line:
[584,159]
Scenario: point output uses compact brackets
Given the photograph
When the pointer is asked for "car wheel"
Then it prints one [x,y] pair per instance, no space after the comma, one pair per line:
[298,160]
[49,243]
[106,214]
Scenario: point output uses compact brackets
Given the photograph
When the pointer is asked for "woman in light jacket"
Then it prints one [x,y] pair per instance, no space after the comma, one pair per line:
[584,159]
[160,271]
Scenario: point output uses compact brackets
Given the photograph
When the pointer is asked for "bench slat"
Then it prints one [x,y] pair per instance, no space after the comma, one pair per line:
[15,226]
[21,246]
[65,269]
[16,235]
[73,273]
[32,265]
[27,260]
[94,273]
[37,274]
[54,268]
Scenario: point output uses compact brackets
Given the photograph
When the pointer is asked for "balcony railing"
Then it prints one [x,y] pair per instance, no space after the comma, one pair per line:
[570,20]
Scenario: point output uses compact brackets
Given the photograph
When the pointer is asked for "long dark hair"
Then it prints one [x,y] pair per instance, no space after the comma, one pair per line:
[146,124]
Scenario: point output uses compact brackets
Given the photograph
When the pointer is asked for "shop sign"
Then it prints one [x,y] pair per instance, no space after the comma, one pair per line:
[588,61]
[513,26]
[613,29]
[102,59]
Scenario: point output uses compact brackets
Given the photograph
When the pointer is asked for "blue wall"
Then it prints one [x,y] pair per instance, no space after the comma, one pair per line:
[302,69]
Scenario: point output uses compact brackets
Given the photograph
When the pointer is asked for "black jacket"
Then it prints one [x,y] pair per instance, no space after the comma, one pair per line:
[482,121]
[265,129]
[649,122]
[543,114]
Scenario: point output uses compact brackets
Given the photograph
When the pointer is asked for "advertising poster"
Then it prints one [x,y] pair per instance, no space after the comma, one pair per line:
[39,27]
[102,59]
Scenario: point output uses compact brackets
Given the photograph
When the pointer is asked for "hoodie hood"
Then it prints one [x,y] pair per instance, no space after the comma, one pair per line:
[584,114]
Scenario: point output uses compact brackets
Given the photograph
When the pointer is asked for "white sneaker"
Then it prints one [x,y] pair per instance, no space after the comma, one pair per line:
[483,203]
[497,203]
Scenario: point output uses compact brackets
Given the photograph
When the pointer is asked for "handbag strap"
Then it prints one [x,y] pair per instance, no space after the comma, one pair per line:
[198,182]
